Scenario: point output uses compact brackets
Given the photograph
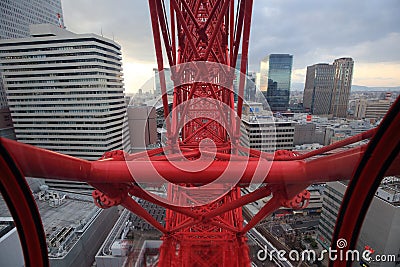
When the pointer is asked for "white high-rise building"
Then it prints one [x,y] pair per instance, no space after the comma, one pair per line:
[16,16]
[65,91]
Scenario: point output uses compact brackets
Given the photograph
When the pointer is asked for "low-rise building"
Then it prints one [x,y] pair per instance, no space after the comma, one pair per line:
[307,133]
[371,109]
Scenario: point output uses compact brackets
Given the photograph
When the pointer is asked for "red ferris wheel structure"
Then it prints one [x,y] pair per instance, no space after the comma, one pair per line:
[203,161]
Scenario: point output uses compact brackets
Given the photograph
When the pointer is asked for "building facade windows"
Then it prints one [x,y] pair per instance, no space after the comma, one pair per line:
[61,102]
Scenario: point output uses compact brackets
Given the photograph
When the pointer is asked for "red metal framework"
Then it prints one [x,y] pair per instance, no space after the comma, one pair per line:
[203,162]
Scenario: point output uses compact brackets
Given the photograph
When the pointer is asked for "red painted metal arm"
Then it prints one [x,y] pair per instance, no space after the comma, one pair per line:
[36,162]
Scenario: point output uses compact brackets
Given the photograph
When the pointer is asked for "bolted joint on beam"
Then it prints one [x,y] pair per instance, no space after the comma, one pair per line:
[104,201]
[300,201]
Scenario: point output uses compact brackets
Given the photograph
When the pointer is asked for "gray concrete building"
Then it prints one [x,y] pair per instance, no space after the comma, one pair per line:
[307,133]
[318,88]
[373,109]
[142,123]
[342,86]
[65,91]
[381,228]
[6,125]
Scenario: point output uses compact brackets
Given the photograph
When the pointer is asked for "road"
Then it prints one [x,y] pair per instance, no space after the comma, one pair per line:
[267,249]
[268,236]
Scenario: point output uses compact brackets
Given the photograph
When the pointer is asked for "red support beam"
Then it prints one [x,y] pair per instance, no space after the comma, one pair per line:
[271,206]
[160,63]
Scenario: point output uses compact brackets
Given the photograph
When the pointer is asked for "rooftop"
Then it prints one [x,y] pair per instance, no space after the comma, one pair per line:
[64,218]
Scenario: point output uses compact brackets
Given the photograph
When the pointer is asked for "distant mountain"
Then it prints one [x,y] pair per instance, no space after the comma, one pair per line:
[366,88]
[297,87]
[300,87]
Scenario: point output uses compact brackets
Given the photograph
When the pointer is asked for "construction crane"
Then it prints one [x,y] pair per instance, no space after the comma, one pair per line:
[203,162]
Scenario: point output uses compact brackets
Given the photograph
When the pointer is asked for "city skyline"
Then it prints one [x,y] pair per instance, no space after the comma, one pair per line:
[310,32]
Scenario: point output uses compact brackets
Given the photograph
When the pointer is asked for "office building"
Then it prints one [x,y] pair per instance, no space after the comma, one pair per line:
[318,89]
[16,16]
[371,109]
[342,86]
[267,134]
[380,230]
[307,133]
[65,91]
[74,227]
[275,80]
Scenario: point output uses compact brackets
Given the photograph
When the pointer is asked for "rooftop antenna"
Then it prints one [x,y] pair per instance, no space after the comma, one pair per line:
[101,31]
[59,20]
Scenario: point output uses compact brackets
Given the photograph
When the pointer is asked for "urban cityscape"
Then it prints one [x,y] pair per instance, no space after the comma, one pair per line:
[67,91]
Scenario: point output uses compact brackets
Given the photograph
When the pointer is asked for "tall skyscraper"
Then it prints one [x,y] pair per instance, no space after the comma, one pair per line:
[16,16]
[65,91]
[342,86]
[318,88]
[275,79]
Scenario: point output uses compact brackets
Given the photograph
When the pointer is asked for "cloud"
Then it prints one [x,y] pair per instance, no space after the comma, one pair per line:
[381,74]
[127,21]
[319,31]
[312,30]
[137,75]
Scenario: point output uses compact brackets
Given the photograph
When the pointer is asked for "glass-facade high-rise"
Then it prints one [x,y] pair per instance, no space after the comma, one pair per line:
[275,80]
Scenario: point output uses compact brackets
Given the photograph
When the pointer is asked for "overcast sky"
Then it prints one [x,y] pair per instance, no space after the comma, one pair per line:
[313,31]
